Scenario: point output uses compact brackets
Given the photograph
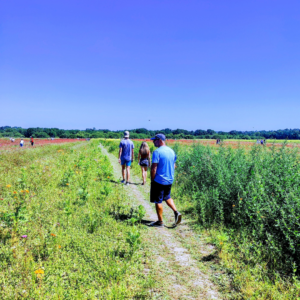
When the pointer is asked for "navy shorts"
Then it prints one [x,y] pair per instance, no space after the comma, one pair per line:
[144,162]
[159,192]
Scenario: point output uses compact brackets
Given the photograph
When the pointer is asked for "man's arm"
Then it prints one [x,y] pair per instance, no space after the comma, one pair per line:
[120,152]
[153,170]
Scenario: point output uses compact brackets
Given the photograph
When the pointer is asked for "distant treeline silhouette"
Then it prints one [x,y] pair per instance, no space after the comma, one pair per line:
[142,133]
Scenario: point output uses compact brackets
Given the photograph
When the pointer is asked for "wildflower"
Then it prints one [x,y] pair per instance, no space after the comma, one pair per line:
[59,246]
[75,166]
[39,271]
[221,243]
[67,184]
[8,186]
[24,236]
[22,191]
[1,198]
[15,192]
[53,234]
[233,205]
[95,179]
[241,199]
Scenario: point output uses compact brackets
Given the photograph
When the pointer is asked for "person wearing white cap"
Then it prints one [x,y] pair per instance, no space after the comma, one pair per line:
[126,156]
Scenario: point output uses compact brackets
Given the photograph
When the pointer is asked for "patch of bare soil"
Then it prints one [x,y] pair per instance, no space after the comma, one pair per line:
[176,273]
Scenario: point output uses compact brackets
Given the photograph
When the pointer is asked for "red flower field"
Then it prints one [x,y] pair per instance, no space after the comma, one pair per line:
[6,144]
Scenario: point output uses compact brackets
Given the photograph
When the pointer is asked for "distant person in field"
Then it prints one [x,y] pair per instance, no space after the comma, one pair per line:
[126,156]
[144,159]
[162,177]
[31,141]
[21,143]
[262,142]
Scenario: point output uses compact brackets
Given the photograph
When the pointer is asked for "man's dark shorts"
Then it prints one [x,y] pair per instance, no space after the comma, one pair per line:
[159,192]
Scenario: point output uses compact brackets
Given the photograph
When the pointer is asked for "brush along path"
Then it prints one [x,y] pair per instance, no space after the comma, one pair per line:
[176,273]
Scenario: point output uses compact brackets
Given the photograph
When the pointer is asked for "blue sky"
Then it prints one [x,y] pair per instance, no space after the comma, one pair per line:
[222,65]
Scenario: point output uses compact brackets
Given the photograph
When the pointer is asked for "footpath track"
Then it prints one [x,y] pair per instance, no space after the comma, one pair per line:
[176,273]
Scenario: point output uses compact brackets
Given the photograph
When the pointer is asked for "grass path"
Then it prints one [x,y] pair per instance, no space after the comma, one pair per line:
[177,274]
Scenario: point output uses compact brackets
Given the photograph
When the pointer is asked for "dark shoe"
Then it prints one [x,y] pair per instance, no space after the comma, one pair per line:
[177,217]
[156,224]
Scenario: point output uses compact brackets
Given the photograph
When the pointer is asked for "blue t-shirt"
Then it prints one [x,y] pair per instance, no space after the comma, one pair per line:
[165,159]
[127,146]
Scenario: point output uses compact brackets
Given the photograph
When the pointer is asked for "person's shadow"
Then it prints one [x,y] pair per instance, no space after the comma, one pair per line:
[118,182]
[148,222]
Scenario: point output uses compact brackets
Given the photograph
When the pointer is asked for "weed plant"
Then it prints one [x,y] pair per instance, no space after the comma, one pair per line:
[59,234]
[255,197]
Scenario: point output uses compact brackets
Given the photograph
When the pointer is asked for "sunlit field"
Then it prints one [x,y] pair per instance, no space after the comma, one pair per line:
[6,144]
[59,229]
[247,197]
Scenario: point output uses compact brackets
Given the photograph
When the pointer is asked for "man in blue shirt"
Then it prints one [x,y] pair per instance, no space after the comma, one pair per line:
[126,156]
[162,177]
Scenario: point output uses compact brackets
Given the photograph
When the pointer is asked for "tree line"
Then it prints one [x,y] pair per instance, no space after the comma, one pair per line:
[142,133]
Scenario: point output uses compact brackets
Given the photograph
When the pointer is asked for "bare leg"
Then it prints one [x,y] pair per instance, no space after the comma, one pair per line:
[142,168]
[159,211]
[128,173]
[123,172]
[171,204]
[145,175]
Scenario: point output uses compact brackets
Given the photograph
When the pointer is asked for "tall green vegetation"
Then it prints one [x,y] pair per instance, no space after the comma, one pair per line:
[253,199]
[257,192]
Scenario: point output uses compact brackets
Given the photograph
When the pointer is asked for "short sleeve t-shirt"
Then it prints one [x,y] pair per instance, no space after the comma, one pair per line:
[165,159]
[127,146]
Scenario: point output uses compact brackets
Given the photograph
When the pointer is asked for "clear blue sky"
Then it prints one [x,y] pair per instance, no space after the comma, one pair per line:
[112,64]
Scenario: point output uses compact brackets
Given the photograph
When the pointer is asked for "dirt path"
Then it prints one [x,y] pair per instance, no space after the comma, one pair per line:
[177,274]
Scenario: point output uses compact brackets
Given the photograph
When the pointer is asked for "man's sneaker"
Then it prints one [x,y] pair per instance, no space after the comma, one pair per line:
[127,183]
[177,217]
[123,181]
[156,224]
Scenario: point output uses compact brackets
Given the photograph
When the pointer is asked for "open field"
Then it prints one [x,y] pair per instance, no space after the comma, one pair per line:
[247,199]
[69,230]
[6,144]
[60,233]
[232,143]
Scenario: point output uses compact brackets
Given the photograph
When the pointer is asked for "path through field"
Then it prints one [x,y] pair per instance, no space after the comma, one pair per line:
[176,273]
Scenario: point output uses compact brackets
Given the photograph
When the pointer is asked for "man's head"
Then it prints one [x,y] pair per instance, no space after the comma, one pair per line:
[126,134]
[159,140]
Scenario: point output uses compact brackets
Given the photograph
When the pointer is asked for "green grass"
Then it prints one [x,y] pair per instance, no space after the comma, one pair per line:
[61,232]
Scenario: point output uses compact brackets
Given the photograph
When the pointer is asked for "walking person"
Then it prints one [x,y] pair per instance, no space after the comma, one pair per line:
[162,177]
[21,143]
[144,159]
[126,156]
[31,141]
